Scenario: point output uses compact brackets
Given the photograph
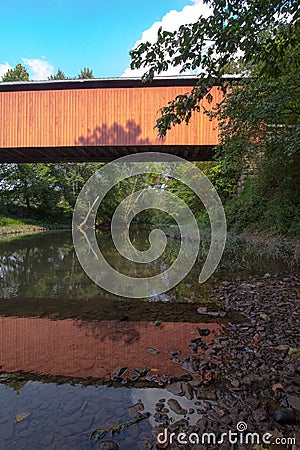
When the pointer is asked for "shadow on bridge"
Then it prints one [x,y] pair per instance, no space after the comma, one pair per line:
[103,144]
[116,134]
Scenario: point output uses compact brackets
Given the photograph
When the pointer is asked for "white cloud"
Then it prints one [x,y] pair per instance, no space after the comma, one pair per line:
[170,22]
[39,69]
[4,68]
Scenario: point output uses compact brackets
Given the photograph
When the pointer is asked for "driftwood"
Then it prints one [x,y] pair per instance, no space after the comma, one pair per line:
[83,223]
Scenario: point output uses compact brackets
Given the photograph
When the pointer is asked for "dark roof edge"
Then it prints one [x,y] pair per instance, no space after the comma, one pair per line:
[100,83]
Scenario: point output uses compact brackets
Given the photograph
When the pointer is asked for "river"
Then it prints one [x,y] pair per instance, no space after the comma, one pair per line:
[75,358]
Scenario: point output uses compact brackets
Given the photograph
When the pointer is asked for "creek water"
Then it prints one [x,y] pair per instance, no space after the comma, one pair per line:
[72,355]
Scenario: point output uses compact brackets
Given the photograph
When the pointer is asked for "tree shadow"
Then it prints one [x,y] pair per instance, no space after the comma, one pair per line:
[115,134]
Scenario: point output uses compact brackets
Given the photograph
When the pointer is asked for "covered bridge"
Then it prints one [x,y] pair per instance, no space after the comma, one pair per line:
[97,120]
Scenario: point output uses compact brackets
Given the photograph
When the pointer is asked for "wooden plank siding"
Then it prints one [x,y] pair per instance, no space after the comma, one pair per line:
[97,120]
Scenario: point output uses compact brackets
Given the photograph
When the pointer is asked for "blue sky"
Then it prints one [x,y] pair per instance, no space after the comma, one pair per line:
[71,34]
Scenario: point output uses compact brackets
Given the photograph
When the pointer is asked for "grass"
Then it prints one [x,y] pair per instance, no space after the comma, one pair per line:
[11,225]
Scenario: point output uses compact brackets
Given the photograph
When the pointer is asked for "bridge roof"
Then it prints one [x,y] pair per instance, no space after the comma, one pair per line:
[102,83]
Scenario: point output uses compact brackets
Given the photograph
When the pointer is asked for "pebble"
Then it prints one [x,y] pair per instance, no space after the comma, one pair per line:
[153,351]
[175,406]
[204,331]
[108,445]
[285,416]
[294,402]
[174,352]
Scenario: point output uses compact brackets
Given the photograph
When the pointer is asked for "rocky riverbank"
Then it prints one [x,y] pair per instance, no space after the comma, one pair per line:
[257,367]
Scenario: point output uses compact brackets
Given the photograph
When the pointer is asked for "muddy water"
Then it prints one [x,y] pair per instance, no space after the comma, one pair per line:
[74,358]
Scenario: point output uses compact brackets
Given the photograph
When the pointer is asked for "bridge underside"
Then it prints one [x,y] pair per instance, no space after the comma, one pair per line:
[100,153]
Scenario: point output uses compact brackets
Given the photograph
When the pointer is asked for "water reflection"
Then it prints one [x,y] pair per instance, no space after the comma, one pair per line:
[46,266]
[80,349]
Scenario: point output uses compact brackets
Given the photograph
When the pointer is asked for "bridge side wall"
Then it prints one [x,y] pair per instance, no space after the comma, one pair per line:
[97,117]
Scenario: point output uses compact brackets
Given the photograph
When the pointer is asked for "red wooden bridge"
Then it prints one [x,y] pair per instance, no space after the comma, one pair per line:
[97,120]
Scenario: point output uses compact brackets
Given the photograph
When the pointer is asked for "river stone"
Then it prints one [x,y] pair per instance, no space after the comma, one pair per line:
[285,416]
[204,331]
[153,351]
[187,391]
[174,352]
[108,445]
[139,406]
[204,394]
[176,388]
[176,407]
[294,402]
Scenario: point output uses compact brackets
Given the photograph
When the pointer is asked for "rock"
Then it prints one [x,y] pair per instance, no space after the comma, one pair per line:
[188,391]
[254,382]
[202,310]
[161,417]
[204,331]
[175,360]
[153,351]
[195,383]
[281,348]
[260,415]
[187,365]
[108,445]
[218,413]
[175,406]
[118,373]
[216,313]
[285,416]
[204,394]
[235,383]
[139,406]
[264,316]
[188,300]
[247,286]
[147,443]
[157,323]
[176,388]
[294,402]
[141,371]
[124,318]
[185,377]
[174,352]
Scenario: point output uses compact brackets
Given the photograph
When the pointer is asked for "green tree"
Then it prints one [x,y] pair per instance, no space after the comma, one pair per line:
[59,75]
[85,73]
[259,30]
[19,73]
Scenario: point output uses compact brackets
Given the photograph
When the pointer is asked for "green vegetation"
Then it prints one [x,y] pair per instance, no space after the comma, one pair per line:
[59,75]
[85,73]
[259,115]
[19,73]
[42,193]
[259,119]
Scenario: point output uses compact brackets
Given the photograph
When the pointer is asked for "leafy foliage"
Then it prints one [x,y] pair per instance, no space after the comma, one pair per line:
[259,114]
[85,73]
[259,30]
[59,75]
[19,73]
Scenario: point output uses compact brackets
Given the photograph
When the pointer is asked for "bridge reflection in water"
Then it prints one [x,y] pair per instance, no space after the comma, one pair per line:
[75,348]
